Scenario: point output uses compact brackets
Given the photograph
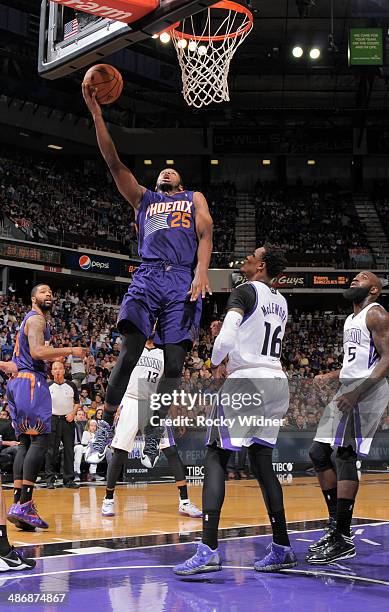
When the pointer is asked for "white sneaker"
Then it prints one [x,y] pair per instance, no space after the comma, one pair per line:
[108,507]
[188,509]
[77,478]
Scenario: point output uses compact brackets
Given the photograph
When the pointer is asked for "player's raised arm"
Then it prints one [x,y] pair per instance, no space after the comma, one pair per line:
[123,177]
[35,330]
[204,230]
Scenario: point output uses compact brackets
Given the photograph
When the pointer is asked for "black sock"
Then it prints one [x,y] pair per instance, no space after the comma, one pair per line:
[278,525]
[331,498]
[26,494]
[183,492]
[344,514]
[5,546]
[210,527]
[109,493]
[17,493]
[108,417]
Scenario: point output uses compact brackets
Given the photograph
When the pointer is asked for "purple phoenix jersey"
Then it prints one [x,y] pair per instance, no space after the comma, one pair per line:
[159,290]
[28,394]
[166,226]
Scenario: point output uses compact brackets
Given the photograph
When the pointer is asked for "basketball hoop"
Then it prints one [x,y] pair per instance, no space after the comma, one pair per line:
[205,56]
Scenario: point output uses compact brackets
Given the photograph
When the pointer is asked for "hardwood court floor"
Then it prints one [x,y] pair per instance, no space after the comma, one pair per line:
[152,509]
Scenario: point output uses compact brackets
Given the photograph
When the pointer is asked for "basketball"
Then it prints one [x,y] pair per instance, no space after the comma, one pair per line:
[106,80]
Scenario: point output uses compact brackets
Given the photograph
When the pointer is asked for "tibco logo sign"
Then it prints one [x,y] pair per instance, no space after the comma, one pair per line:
[282,467]
[86,263]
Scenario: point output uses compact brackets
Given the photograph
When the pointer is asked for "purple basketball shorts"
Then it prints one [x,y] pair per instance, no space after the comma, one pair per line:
[160,292]
[29,401]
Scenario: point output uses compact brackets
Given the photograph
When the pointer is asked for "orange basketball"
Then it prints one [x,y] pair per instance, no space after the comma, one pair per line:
[106,80]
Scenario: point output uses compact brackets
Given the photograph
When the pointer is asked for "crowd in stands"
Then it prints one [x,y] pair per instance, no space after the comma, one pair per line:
[315,225]
[312,345]
[67,206]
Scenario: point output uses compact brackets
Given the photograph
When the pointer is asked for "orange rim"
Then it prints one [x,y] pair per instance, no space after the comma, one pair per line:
[227,5]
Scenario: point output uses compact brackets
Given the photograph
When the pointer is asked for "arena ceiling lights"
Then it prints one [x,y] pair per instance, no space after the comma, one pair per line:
[298,52]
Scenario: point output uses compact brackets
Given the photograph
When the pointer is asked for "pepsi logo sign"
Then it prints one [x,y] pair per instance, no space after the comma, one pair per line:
[85,262]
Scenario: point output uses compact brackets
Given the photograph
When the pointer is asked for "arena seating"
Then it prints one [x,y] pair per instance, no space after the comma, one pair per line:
[316,225]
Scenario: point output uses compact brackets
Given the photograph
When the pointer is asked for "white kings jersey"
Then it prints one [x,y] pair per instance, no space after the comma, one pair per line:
[360,355]
[259,338]
[146,374]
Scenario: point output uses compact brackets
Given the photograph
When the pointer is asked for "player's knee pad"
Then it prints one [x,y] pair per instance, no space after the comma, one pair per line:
[40,442]
[320,455]
[119,452]
[259,450]
[35,458]
[130,351]
[346,464]
[174,355]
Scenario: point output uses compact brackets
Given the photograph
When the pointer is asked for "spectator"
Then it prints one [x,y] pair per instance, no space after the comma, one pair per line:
[9,444]
[99,414]
[85,401]
[80,449]
[77,369]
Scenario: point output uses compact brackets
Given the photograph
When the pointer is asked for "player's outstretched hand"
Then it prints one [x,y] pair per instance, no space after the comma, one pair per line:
[9,367]
[219,372]
[320,382]
[347,401]
[79,351]
[200,286]
[90,100]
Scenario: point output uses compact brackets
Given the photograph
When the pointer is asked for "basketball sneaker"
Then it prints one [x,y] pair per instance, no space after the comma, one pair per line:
[19,524]
[26,513]
[280,557]
[205,560]
[14,561]
[338,547]
[151,451]
[96,451]
[187,508]
[108,507]
[331,527]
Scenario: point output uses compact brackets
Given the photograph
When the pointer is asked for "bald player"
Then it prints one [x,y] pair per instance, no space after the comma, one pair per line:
[350,420]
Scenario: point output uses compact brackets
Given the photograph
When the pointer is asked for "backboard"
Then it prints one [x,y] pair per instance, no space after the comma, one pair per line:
[70,39]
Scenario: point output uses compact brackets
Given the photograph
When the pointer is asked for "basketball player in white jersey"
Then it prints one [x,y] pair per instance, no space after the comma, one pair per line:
[251,338]
[134,415]
[350,420]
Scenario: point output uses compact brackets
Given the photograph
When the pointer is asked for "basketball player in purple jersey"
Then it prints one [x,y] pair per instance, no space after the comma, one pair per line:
[30,404]
[175,243]
[10,559]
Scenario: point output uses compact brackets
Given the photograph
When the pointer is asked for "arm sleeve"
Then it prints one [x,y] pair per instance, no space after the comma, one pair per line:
[225,341]
[85,438]
[243,297]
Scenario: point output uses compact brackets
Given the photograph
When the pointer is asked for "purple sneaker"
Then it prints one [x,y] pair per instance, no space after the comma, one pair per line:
[279,557]
[205,560]
[26,513]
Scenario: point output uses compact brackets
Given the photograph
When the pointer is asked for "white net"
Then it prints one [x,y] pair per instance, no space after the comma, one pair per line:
[205,56]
